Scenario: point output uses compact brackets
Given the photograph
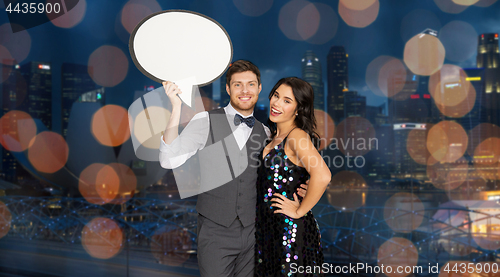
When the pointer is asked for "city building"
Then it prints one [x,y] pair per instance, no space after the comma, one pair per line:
[75,80]
[38,76]
[311,73]
[354,104]
[338,80]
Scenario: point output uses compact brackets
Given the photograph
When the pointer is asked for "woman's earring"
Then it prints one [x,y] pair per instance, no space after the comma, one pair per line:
[296,114]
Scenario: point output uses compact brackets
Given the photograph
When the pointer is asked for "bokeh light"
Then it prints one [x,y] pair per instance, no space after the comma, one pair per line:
[308,20]
[448,176]
[459,39]
[404,212]
[5,219]
[88,182]
[102,238]
[128,183]
[373,71]
[325,128]
[170,246]
[392,77]
[448,6]
[485,230]
[447,141]
[71,18]
[397,252]
[359,18]
[485,3]
[465,2]
[253,8]
[347,190]
[110,125]
[328,24]
[416,21]
[449,86]
[136,10]
[143,122]
[5,58]
[289,21]
[424,54]
[358,5]
[17,129]
[18,45]
[49,152]
[355,136]
[416,145]
[108,66]
[479,133]
[486,158]
[462,108]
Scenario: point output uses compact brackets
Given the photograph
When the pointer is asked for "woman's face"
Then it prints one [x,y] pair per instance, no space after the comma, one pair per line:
[282,105]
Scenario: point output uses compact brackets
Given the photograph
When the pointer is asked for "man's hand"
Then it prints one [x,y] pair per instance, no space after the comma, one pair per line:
[302,190]
[171,89]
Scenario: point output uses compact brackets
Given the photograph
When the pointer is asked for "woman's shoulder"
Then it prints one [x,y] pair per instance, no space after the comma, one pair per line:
[298,138]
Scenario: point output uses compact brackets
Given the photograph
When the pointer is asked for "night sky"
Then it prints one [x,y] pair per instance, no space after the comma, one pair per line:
[258,39]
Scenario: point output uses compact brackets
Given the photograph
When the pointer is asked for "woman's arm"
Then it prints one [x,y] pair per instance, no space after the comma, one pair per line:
[300,144]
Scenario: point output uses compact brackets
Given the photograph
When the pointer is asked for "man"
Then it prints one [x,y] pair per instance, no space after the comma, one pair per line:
[226,214]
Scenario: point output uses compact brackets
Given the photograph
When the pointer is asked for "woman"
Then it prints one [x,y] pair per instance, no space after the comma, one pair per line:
[287,235]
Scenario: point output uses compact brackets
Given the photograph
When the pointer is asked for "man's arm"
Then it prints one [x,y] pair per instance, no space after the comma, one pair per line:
[175,149]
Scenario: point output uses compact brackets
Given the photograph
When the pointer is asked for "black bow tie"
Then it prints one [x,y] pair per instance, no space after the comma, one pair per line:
[249,121]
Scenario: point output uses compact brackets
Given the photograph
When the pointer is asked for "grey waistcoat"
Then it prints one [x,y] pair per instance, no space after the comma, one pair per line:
[236,198]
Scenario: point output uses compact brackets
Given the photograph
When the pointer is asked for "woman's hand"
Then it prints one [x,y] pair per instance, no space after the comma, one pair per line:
[171,89]
[287,206]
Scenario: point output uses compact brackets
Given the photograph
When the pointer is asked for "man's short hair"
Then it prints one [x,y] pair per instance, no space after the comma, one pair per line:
[241,66]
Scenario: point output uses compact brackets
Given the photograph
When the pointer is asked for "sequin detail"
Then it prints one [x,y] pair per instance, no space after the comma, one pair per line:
[281,240]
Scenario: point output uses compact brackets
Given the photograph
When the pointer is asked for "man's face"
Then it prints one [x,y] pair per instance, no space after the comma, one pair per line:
[244,91]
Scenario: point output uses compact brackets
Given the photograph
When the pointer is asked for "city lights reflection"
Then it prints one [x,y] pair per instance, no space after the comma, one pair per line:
[346,191]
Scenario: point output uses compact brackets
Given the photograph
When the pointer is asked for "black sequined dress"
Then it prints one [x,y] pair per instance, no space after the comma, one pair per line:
[283,243]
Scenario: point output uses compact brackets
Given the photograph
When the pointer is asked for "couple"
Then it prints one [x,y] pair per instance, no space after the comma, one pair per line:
[234,237]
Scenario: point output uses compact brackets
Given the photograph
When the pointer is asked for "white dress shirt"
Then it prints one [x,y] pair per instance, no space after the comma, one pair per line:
[194,137]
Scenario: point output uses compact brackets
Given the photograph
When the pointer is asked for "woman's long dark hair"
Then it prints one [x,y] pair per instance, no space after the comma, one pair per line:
[304,96]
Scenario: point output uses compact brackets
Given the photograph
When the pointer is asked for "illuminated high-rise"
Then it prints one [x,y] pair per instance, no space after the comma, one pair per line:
[488,58]
[311,73]
[338,80]
[75,81]
[38,76]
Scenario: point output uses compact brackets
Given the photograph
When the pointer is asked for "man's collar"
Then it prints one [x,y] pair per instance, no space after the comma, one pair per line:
[230,110]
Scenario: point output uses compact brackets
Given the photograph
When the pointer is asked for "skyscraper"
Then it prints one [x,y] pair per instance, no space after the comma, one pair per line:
[338,79]
[354,104]
[488,57]
[75,81]
[311,73]
[38,76]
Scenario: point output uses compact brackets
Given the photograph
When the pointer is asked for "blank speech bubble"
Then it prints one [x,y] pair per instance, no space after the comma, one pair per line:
[181,46]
